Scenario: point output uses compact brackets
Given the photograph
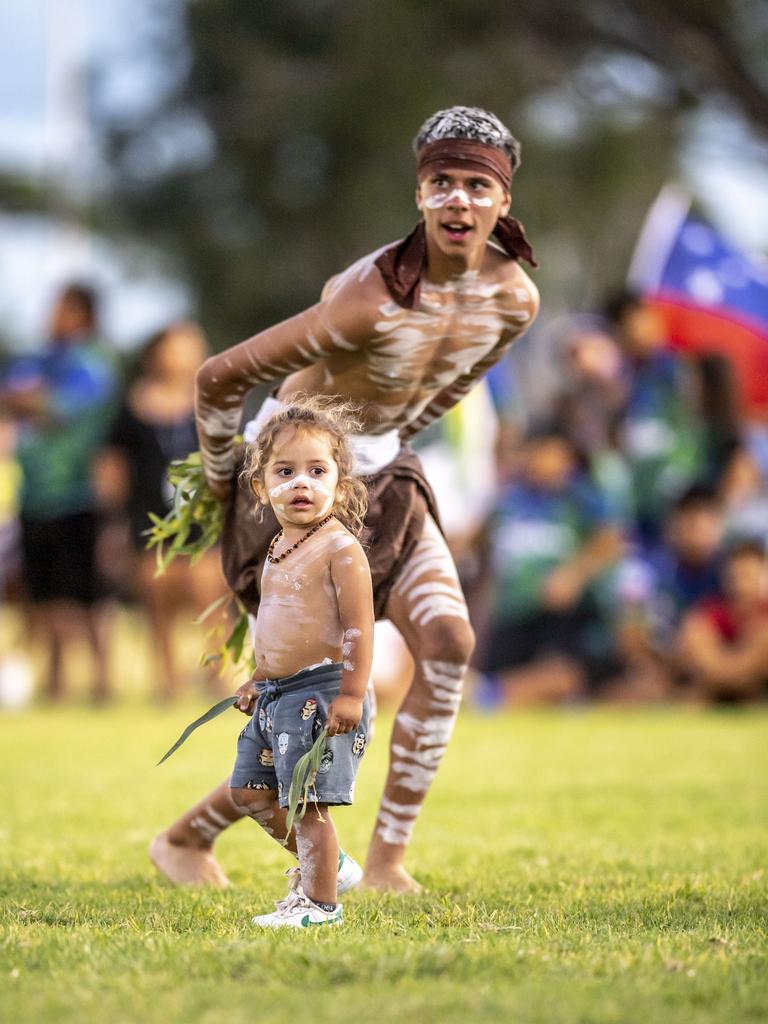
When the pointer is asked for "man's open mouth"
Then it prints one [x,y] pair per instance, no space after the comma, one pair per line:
[457,231]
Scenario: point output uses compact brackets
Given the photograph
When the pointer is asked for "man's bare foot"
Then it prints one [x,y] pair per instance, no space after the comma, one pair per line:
[389,879]
[186,865]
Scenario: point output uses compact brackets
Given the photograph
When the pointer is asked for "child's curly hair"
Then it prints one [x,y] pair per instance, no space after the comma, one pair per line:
[316,414]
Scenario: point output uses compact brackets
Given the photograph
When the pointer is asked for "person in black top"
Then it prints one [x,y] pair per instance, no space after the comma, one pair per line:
[154,426]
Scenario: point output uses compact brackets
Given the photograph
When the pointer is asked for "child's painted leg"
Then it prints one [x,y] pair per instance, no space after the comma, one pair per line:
[262,806]
[183,853]
[318,848]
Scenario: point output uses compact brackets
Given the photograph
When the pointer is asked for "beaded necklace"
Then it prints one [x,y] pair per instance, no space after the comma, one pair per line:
[271,558]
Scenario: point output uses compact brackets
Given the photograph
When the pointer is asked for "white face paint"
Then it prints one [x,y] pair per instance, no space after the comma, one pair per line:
[439,199]
[295,481]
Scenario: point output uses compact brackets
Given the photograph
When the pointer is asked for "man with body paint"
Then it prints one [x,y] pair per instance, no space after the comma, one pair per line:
[406,332]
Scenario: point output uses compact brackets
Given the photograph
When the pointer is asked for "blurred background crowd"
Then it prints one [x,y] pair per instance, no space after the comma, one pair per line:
[178,176]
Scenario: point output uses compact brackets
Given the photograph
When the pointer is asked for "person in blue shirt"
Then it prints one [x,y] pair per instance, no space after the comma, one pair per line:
[654,592]
[551,537]
[661,426]
[62,400]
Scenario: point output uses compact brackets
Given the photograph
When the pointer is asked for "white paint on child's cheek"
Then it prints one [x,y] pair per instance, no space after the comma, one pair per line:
[310,482]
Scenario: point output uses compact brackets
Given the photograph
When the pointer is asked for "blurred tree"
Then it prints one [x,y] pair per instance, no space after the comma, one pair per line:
[281,150]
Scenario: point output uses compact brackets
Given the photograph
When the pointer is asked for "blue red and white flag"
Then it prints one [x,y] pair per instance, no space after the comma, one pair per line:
[711,296]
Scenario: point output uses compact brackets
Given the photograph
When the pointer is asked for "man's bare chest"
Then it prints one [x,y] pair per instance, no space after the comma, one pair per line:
[430,347]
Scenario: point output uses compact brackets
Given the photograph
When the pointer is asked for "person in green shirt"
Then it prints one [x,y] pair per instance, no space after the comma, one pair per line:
[62,400]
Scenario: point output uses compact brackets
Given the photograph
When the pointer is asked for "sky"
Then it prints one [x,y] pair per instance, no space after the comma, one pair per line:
[44,42]
[43,45]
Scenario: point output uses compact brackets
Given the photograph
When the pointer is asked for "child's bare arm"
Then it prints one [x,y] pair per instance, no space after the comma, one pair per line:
[354,593]
[248,693]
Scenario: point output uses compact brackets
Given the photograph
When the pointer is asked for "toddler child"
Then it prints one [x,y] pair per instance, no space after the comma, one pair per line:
[313,643]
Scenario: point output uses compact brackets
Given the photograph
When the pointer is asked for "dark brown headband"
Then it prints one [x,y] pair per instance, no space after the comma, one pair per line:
[476,156]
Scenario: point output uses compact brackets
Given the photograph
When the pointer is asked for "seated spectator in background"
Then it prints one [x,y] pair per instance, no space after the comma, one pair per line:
[551,536]
[155,425]
[744,488]
[721,417]
[661,431]
[723,642]
[656,591]
[589,404]
[10,485]
[62,401]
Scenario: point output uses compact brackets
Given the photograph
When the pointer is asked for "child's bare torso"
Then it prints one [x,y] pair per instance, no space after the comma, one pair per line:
[298,622]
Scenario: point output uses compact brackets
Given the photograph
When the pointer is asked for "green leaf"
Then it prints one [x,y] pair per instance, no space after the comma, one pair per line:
[303,779]
[210,609]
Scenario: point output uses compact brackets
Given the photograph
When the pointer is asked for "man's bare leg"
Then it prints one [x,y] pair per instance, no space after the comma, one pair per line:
[184,852]
[428,608]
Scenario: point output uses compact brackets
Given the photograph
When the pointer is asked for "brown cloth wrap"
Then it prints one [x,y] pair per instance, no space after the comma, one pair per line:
[399,500]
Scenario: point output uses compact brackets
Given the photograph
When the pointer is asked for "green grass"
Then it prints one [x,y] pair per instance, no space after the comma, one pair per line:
[582,866]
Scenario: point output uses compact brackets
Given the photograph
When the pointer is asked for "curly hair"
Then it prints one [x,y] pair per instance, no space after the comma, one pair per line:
[328,416]
[469,123]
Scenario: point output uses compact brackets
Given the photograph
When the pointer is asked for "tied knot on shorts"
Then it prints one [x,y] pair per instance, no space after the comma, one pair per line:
[269,689]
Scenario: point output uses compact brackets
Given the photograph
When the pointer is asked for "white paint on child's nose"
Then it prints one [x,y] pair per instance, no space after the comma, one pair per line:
[312,483]
[438,201]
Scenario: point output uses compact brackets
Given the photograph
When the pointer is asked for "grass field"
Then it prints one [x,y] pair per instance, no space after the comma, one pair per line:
[580,866]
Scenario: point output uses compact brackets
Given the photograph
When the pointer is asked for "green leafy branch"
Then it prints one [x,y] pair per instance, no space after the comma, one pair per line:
[191,527]
[195,520]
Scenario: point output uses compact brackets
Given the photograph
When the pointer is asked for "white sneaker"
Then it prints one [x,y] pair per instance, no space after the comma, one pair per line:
[298,911]
[349,875]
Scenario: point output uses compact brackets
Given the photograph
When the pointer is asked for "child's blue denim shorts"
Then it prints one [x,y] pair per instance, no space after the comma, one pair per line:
[289,714]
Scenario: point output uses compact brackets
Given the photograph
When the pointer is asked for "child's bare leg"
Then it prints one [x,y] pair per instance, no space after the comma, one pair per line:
[183,853]
[262,806]
[318,848]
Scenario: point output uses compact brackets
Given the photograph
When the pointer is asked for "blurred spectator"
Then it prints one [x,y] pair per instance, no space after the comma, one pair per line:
[10,486]
[745,494]
[662,428]
[589,403]
[62,400]
[655,592]
[551,536]
[721,434]
[723,641]
[155,425]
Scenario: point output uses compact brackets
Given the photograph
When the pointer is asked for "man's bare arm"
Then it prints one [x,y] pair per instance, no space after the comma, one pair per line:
[453,394]
[342,324]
